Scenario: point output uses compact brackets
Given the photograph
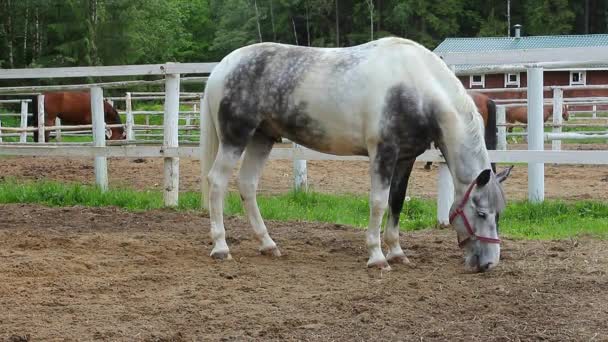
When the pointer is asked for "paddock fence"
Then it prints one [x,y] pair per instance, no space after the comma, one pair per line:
[170,151]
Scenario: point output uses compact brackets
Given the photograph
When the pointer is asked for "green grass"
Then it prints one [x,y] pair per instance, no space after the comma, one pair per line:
[549,220]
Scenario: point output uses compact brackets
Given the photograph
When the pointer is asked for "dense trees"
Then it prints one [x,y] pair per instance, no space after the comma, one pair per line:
[104,32]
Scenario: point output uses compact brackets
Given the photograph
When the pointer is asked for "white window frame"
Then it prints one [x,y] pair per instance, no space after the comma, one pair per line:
[474,84]
[582,77]
[508,82]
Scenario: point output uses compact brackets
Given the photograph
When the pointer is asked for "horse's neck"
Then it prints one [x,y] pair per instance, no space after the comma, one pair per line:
[466,157]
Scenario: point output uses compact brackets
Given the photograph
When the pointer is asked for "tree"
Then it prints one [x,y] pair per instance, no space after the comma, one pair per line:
[544,17]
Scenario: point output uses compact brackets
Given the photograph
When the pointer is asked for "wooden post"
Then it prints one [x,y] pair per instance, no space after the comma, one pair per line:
[170,122]
[445,195]
[536,171]
[58,130]
[189,121]
[23,125]
[594,115]
[130,121]
[501,119]
[41,119]
[300,175]
[1,131]
[99,137]
[558,101]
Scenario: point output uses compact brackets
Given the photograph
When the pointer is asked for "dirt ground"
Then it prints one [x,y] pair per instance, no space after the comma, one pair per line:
[106,274]
[570,182]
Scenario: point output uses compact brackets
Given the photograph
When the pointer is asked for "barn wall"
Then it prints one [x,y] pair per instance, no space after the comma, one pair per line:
[551,78]
[597,77]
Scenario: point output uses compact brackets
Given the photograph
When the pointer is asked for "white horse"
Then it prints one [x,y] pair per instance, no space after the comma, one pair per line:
[387,99]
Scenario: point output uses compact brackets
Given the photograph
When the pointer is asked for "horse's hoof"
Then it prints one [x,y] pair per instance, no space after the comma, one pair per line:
[221,255]
[382,265]
[272,252]
[398,259]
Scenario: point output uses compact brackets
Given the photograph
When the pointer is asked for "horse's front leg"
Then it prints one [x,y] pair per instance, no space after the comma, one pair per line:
[48,122]
[383,158]
[401,176]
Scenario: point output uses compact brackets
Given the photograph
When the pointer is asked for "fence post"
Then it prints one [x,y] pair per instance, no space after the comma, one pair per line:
[170,139]
[594,115]
[189,121]
[129,112]
[58,130]
[41,119]
[445,195]
[501,119]
[558,102]
[23,125]
[536,171]
[1,131]
[300,175]
[99,137]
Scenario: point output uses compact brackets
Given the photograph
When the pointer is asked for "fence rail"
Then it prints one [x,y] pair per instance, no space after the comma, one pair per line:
[170,151]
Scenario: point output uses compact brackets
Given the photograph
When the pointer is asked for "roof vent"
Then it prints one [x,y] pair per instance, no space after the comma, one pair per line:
[517,28]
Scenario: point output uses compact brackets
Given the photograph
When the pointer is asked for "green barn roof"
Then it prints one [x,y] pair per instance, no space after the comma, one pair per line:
[525,42]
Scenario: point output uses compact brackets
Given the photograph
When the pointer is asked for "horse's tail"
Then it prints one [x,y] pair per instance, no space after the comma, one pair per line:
[491,130]
[209,145]
[32,121]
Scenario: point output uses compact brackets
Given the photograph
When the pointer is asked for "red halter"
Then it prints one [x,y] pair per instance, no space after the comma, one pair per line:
[460,212]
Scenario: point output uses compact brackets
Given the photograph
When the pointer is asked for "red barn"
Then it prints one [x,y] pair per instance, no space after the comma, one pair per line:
[535,49]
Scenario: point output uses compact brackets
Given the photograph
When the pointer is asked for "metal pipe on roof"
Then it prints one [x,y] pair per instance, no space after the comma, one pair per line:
[517,28]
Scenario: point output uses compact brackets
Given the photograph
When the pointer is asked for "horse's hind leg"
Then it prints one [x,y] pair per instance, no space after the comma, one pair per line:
[256,154]
[401,176]
[225,161]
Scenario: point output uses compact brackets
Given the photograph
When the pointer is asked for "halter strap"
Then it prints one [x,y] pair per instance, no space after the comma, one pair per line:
[459,211]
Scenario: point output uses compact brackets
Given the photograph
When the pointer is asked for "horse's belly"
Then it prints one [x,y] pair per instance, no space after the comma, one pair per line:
[327,134]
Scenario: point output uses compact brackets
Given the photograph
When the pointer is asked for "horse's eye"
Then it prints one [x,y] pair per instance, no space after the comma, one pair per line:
[481,214]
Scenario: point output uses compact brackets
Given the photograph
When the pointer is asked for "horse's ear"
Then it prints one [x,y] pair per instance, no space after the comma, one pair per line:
[504,174]
[484,177]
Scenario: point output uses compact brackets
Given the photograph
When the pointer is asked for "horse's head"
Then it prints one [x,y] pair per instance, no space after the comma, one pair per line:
[475,219]
[565,114]
[112,117]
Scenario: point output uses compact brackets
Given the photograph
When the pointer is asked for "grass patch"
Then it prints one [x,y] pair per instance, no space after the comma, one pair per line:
[549,220]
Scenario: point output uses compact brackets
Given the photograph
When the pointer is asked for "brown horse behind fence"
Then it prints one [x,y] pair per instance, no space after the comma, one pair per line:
[520,114]
[73,108]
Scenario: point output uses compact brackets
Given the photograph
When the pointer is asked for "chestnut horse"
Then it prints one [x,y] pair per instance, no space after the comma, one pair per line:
[73,108]
[520,114]
[487,109]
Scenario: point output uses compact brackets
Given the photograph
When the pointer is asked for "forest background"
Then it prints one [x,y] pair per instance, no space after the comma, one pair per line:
[54,33]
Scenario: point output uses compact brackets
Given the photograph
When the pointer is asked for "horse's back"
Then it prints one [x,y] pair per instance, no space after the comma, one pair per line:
[71,107]
[329,99]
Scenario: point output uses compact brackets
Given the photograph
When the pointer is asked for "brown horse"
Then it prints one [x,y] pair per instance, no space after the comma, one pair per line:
[73,108]
[520,114]
[487,109]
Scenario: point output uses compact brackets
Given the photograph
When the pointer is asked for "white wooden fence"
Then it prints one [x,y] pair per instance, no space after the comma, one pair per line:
[557,124]
[171,71]
[170,151]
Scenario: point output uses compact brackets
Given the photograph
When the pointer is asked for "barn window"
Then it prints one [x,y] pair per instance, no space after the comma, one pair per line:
[578,78]
[512,79]
[477,81]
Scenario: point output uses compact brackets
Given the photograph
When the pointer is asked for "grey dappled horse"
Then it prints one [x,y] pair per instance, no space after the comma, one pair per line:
[387,99]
